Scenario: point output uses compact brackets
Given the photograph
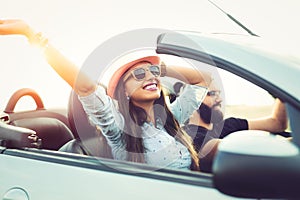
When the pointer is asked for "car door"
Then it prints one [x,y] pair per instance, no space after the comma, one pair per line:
[43,174]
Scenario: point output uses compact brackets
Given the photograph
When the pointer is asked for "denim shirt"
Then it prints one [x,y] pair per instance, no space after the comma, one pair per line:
[161,149]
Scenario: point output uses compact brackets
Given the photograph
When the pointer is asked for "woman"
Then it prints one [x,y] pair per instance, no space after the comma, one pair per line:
[143,128]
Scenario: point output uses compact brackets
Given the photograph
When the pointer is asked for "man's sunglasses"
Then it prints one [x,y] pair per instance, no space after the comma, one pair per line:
[213,93]
[139,74]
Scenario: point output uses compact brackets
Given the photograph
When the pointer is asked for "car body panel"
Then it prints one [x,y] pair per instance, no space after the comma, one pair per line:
[71,178]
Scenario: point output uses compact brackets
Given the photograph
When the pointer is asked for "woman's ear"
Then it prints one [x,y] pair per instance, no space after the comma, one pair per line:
[127,95]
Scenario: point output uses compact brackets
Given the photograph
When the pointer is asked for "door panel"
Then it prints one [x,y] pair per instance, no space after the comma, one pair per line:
[49,180]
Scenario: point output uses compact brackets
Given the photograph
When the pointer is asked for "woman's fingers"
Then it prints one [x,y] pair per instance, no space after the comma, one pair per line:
[13,26]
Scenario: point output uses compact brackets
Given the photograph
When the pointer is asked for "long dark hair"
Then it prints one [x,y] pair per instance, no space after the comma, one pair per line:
[135,116]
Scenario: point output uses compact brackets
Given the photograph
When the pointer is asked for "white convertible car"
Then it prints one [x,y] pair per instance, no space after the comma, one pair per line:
[248,164]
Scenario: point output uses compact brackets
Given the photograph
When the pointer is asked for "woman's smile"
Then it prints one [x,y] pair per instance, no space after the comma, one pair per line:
[150,86]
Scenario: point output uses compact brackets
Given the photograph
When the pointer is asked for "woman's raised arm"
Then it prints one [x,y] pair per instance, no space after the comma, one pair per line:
[80,82]
[188,75]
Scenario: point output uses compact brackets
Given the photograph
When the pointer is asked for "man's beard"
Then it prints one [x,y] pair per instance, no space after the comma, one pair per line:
[210,115]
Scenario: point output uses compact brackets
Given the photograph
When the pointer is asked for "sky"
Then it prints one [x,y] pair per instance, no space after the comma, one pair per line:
[77,27]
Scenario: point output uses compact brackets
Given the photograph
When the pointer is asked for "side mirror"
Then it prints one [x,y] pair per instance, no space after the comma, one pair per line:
[256,164]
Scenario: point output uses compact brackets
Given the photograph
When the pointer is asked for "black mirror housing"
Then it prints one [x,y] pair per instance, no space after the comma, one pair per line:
[256,164]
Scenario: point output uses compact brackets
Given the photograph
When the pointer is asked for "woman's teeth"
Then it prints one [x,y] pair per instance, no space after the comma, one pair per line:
[150,87]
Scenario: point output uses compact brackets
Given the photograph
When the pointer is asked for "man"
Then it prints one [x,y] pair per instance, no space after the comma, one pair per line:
[207,125]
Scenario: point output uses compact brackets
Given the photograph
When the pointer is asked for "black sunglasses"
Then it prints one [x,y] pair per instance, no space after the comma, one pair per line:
[139,74]
[213,93]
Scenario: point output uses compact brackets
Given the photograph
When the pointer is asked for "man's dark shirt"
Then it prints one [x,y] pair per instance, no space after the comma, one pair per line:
[201,135]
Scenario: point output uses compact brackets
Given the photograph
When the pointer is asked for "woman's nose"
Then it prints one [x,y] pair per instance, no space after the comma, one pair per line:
[149,75]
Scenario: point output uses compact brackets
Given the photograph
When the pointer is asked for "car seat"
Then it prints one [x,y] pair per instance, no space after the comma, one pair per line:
[53,133]
[50,126]
[88,140]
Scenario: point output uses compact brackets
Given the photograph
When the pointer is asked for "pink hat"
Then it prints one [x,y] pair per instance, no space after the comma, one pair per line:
[120,71]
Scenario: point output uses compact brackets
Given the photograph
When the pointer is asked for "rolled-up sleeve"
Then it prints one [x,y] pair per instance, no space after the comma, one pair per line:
[188,101]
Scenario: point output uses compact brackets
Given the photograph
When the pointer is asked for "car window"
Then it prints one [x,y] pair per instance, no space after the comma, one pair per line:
[244,99]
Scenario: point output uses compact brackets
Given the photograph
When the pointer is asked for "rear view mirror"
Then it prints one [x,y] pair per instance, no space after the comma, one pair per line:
[256,164]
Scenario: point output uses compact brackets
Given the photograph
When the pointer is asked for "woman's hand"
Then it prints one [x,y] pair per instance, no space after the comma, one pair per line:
[15,27]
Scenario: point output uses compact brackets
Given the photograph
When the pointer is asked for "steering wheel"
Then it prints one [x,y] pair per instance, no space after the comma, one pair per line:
[19,94]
